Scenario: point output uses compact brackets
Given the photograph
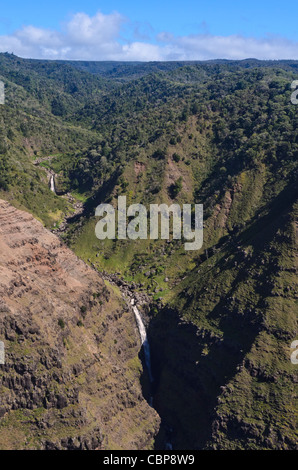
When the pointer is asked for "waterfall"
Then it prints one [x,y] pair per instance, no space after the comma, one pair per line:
[144,339]
[168,445]
[53,184]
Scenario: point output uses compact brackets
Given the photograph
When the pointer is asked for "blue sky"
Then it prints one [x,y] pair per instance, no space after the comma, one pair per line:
[159,30]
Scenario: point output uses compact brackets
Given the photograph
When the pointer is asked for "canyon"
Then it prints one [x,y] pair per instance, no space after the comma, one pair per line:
[141,344]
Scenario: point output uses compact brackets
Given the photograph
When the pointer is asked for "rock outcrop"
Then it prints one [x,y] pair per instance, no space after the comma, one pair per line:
[71,373]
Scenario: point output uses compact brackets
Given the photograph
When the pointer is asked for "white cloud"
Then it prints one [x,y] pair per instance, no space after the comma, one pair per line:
[141,51]
[207,46]
[98,37]
[99,29]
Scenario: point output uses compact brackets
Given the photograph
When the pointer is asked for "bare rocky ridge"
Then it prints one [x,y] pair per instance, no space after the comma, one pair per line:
[71,377]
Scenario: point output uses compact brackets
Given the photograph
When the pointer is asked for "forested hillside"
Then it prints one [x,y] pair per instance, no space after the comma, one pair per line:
[223,134]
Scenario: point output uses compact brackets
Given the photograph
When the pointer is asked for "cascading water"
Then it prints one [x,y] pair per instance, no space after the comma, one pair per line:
[145,343]
[144,339]
[53,184]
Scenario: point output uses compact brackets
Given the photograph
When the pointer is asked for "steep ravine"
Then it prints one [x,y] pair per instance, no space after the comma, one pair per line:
[223,375]
[140,303]
[72,374]
[209,379]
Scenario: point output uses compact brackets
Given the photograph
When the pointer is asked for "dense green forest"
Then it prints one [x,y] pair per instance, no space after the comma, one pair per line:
[219,133]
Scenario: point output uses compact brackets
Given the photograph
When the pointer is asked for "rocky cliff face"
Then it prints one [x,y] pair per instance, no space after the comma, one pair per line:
[71,373]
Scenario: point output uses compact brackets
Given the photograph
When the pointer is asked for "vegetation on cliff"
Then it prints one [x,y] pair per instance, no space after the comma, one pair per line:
[222,134]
